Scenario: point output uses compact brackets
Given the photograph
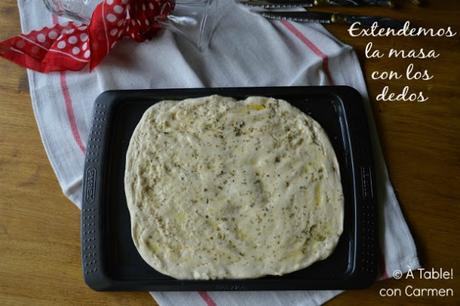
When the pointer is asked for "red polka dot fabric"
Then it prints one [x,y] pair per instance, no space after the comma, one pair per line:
[72,46]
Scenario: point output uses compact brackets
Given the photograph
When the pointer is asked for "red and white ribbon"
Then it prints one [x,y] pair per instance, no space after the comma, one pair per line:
[72,46]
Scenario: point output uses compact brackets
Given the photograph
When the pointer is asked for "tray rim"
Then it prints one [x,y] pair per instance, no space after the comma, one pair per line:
[92,251]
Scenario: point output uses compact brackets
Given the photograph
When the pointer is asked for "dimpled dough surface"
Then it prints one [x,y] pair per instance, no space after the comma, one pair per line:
[218,188]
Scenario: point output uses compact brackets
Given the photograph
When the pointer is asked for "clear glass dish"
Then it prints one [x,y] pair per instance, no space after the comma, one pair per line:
[194,20]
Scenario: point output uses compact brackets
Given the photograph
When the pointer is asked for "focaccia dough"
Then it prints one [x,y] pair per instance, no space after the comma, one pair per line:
[218,188]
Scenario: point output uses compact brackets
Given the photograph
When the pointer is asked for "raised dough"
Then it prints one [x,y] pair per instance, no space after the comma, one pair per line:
[218,188]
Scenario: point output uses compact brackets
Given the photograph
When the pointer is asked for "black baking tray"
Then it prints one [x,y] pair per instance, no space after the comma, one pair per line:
[109,257]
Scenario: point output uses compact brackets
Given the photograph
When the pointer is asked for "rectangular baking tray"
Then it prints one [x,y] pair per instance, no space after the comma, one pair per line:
[109,257]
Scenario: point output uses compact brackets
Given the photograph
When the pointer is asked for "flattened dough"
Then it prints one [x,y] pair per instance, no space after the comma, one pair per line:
[224,189]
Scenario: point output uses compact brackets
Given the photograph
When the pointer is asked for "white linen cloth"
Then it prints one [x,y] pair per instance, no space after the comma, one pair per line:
[246,50]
